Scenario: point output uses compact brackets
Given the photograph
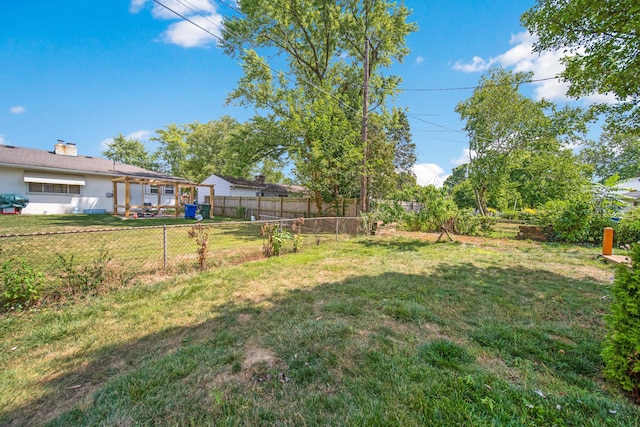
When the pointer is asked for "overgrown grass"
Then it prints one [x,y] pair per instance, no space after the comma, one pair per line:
[393,331]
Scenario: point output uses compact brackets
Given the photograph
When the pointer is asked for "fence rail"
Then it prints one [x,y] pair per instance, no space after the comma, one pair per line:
[280,207]
[134,251]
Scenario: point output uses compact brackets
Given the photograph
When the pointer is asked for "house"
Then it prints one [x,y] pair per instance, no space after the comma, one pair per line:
[629,189]
[61,181]
[240,187]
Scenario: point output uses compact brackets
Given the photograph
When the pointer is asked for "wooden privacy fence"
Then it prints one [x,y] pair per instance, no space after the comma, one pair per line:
[280,207]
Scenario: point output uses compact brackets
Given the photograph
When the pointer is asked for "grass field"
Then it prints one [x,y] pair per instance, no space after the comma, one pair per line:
[43,223]
[374,331]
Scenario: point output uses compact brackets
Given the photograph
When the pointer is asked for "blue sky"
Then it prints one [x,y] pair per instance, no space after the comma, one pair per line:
[85,71]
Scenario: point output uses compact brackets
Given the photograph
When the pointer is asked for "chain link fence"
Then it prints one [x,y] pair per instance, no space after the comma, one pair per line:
[137,251]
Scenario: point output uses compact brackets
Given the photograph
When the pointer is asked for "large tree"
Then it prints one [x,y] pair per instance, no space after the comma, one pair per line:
[504,127]
[131,151]
[614,153]
[224,147]
[321,45]
[601,42]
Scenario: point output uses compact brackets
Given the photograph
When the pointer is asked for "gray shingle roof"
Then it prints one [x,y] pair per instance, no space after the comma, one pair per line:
[33,159]
[268,186]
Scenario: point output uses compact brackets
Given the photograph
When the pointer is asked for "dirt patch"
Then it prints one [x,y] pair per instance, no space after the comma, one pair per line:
[244,317]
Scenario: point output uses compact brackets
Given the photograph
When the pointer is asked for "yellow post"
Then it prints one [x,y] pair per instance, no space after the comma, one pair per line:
[607,241]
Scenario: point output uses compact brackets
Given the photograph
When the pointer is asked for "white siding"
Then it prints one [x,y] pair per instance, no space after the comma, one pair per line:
[93,195]
[632,184]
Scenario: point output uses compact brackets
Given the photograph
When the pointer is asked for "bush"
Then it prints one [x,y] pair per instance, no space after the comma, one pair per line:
[274,239]
[468,223]
[20,285]
[436,210]
[574,221]
[628,229]
[388,212]
[622,342]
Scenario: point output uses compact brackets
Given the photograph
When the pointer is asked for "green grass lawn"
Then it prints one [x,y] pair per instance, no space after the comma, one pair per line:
[373,331]
[43,223]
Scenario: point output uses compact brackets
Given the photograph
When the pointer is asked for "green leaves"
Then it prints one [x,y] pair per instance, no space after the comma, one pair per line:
[512,136]
[601,43]
[318,97]
[131,151]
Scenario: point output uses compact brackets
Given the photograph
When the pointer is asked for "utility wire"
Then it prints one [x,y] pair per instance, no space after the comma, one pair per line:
[476,87]
[286,76]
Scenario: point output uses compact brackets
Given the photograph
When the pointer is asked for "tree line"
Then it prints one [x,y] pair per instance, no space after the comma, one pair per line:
[338,134]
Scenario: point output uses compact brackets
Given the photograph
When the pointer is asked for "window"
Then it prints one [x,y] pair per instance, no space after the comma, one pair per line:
[166,190]
[40,187]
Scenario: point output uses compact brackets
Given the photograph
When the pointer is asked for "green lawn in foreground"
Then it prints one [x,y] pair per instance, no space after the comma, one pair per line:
[379,331]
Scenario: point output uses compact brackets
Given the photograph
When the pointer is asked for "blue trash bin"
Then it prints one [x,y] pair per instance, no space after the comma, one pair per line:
[190,211]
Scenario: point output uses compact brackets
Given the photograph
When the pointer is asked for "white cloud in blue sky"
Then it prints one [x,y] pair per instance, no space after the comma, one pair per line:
[544,65]
[429,174]
[419,59]
[183,33]
[141,135]
[18,109]
[465,157]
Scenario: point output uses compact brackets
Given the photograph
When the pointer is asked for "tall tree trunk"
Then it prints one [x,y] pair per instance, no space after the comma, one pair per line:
[481,200]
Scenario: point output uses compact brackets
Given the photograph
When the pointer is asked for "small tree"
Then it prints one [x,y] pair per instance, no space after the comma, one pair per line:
[621,346]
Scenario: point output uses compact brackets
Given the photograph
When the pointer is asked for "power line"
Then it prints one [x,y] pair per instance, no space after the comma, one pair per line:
[476,87]
[320,90]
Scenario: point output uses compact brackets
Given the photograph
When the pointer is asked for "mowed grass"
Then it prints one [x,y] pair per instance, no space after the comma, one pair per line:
[373,331]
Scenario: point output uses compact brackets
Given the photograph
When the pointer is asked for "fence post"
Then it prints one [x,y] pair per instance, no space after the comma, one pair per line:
[337,227]
[164,246]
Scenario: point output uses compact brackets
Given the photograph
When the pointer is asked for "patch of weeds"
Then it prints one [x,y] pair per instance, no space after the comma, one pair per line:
[274,239]
[445,354]
[20,285]
[78,279]
[201,236]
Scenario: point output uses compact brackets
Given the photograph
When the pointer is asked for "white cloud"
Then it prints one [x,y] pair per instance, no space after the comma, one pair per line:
[189,9]
[429,174]
[2,141]
[465,157]
[201,13]
[543,65]
[136,6]
[185,34]
[419,59]
[18,109]
[476,64]
[106,142]
[141,135]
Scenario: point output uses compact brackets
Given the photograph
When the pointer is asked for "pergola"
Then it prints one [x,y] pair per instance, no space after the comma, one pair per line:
[177,184]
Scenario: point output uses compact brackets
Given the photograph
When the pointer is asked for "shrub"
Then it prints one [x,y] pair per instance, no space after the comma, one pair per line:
[528,214]
[20,285]
[389,211]
[436,210]
[574,221]
[274,239]
[468,223]
[628,229]
[622,342]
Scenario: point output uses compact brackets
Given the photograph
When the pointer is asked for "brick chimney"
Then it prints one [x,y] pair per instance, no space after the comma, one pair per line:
[71,150]
[260,179]
[63,149]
